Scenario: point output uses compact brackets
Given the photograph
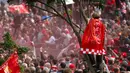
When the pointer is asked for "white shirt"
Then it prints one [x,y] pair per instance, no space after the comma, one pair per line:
[40,35]
[51,40]
[67,39]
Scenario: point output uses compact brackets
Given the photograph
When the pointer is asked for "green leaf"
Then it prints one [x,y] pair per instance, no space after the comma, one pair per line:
[22,50]
[21,69]
[9,45]
[59,1]
[50,2]
[31,2]
[1,61]
[1,51]
[70,11]
[8,42]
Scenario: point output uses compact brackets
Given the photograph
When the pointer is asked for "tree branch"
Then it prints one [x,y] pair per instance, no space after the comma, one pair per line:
[46,10]
[70,22]
[80,16]
[58,14]
[82,12]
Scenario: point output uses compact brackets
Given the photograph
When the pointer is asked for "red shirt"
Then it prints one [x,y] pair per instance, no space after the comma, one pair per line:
[110,2]
[45,34]
[129,63]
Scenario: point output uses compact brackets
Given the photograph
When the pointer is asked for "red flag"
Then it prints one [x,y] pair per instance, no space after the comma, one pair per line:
[93,38]
[20,8]
[11,65]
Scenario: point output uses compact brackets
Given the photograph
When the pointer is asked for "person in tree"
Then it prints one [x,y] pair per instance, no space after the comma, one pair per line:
[93,40]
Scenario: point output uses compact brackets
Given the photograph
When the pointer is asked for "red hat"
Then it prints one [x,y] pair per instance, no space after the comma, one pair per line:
[71,66]
[124,54]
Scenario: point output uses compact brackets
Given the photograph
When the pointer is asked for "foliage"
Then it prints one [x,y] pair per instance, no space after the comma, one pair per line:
[8,42]
[99,3]
[1,61]
[31,2]
[10,46]
[50,1]
[1,51]
[22,50]
[21,69]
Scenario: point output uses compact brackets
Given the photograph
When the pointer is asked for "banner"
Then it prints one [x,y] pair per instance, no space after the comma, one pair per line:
[11,65]
[20,8]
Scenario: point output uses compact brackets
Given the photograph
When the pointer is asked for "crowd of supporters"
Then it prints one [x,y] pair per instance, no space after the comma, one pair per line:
[56,45]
